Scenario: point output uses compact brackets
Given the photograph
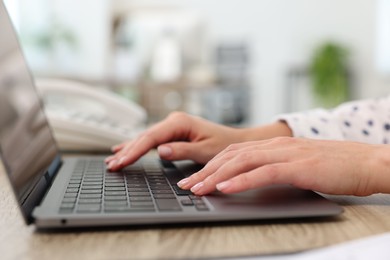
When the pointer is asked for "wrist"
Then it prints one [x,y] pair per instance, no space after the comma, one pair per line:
[276,129]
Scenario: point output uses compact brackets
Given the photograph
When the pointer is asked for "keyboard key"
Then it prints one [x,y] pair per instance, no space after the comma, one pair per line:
[115,188]
[187,202]
[194,197]
[168,205]
[90,201]
[75,181]
[90,196]
[160,187]
[91,191]
[136,185]
[123,198]
[136,182]
[115,193]
[93,178]
[164,196]
[115,181]
[138,194]
[138,190]
[72,190]
[107,184]
[132,199]
[181,192]
[70,195]
[198,202]
[92,183]
[69,200]
[91,187]
[115,203]
[162,191]
[74,185]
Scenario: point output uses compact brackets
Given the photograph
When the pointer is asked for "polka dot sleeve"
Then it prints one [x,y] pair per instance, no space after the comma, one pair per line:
[365,121]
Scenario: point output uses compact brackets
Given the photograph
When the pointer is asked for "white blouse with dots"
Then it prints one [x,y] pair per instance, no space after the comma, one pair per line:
[365,121]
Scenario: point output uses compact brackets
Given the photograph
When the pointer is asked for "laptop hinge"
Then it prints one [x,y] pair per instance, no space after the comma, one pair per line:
[36,195]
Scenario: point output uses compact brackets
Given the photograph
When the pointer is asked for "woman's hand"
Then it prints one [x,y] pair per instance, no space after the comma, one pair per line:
[333,167]
[181,136]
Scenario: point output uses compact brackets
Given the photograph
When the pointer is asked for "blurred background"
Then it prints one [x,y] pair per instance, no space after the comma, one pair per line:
[231,61]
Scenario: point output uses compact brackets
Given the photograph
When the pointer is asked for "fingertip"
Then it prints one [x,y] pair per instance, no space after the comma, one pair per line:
[164,151]
[109,159]
[115,148]
[111,165]
[183,184]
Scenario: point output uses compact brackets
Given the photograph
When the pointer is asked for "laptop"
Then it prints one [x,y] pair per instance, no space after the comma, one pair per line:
[71,192]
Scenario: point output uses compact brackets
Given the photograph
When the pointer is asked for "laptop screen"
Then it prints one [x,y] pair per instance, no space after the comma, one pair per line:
[27,145]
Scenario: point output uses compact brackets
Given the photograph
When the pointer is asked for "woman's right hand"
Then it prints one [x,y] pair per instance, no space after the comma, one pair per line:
[180,136]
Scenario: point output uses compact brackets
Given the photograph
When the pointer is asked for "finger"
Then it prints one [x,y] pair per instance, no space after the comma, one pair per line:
[185,151]
[109,159]
[213,165]
[281,173]
[113,159]
[232,162]
[244,161]
[210,168]
[118,147]
[273,143]
[174,128]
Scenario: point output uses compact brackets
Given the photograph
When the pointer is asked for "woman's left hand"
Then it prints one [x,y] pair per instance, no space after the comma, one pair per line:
[332,167]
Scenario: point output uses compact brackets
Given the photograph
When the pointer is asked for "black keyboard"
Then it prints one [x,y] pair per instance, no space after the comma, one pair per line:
[141,187]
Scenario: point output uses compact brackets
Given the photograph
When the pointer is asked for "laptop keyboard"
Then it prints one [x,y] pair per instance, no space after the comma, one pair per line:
[141,187]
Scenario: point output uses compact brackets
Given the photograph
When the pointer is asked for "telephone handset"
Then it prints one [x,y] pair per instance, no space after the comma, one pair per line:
[86,118]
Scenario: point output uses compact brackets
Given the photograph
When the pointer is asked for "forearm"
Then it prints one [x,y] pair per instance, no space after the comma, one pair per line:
[276,129]
[379,181]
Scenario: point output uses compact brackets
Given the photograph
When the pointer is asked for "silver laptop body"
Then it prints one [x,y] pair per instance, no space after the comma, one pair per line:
[54,192]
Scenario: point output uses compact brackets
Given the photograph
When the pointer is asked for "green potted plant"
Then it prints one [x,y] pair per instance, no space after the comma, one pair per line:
[328,71]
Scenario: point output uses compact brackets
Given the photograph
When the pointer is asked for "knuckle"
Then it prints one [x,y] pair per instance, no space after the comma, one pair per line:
[232,148]
[243,157]
[177,115]
[284,139]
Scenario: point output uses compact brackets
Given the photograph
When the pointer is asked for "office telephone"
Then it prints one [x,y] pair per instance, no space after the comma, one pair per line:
[86,118]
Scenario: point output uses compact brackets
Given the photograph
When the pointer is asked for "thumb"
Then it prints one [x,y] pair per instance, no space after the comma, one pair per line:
[183,151]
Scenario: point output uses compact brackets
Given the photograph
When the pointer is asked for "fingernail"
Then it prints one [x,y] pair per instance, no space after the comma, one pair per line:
[109,158]
[120,162]
[197,187]
[164,151]
[223,185]
[183,182]
[111,164]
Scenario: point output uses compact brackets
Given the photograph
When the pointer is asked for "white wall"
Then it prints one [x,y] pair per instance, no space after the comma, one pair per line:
[284,32]
[89,22]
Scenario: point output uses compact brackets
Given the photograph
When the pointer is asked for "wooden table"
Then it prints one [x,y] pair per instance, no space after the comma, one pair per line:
[362,217]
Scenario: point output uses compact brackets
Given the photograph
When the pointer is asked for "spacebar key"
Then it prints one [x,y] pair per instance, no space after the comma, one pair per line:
[168,205]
